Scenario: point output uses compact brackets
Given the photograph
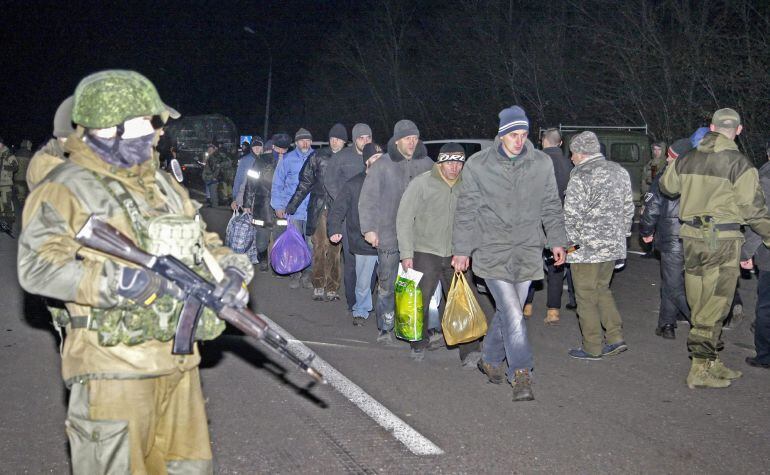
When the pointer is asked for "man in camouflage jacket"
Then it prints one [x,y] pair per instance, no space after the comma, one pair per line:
[598,212]
[133,405]
[8,166]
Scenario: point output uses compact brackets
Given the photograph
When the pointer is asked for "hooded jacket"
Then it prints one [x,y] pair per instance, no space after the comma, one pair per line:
[507,212]
[383,187]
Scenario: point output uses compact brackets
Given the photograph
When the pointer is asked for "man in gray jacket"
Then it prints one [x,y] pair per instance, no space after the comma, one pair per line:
[508,197]
[381,194]
[598,211]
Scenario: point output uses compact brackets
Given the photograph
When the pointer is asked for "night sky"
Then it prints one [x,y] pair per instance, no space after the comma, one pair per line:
[196,53]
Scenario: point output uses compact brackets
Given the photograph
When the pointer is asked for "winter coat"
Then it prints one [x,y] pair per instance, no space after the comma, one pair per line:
[312,179]
[504,207]
[285,182]
[259,184]
[383,187]
[244,164]
[343,166]
[345,208]
[426,215]
[562,166]
[753,245]
[661,218]
[717,180]
[598,210]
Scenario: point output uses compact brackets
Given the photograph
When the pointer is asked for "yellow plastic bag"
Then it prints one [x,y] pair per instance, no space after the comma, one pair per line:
[463,319]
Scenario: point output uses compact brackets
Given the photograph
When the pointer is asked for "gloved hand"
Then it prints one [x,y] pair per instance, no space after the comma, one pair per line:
[232,290]
[143,286]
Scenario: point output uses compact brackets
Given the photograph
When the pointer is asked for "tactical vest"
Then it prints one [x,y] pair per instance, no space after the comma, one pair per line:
[167,234]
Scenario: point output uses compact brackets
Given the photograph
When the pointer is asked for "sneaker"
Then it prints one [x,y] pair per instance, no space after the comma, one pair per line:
[522,386]
[571,306]
[417,354]
[306,281]
[495,375]
[318,294]
[358,321]
[614,349]
[436,341]
[332,295]
[738,314]
[666,331]
[581,354]
[386,338]
[294,282]
[471,360]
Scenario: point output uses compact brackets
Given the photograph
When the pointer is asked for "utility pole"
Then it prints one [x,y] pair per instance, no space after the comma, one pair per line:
[269,79]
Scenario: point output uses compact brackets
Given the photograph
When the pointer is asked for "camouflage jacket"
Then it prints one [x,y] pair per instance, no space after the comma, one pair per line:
[52,264]
[218,167]
[46,159]
[598,210]
[717,180]
[8,166]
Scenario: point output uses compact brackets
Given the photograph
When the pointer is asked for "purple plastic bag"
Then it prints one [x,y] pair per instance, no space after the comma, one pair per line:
[290,253]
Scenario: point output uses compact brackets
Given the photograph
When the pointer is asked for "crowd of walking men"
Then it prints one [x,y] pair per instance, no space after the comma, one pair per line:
[365,210]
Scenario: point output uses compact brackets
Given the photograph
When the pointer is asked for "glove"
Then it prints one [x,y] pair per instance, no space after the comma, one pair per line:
[143,286]
[232,290]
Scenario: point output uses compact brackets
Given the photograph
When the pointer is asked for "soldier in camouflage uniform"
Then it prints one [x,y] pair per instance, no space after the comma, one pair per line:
[52,154]
[20,177]
[133,406]
[217,172]
[653,166]
[720,192]
[598,212]
[8,167]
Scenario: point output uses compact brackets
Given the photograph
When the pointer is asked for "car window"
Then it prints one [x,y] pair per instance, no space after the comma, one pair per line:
[624,152]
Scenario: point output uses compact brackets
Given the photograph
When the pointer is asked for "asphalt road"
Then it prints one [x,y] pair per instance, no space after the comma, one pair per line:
[630,413]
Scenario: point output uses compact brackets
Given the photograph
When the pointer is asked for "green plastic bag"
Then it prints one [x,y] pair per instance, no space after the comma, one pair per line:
[408,323]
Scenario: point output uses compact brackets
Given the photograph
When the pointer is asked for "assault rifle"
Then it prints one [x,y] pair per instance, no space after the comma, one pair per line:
[197,293]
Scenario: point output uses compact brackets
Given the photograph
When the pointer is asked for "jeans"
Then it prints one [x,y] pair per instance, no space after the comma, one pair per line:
[387,271]
[212,193]
[507,335]
[762,324]
[364,269]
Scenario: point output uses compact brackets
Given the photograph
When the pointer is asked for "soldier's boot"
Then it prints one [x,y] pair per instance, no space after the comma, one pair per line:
[527,310]
[522,386]
[701,376]
[721,371]
[552,316]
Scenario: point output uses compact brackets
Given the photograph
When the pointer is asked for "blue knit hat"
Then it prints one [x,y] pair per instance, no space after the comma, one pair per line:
[512,118]
[697,136]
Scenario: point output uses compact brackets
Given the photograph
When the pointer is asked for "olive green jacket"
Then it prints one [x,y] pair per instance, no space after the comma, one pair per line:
[507,212]
[717,180]
[52,264]
[426,215]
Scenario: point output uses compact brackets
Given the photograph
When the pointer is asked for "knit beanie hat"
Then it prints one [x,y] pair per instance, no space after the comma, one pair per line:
[512,118]
[585,142]
[679,147]
[302,134]
[338,131]
[404,128]
[361,129]
[698,135]
[451,152]
[371,149]
[256,141]
[281,140]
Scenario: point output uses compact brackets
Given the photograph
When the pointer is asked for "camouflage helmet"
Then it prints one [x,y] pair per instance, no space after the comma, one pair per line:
[111,97]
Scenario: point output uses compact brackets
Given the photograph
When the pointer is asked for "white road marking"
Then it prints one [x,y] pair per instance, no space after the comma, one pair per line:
[417,443]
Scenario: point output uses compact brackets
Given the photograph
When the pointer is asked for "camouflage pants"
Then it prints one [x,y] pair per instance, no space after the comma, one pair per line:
[151,425]
[21,190]
[7,212]
[710,278]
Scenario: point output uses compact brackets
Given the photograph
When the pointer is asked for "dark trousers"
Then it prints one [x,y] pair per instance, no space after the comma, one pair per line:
[673,300]
[326,259]
[554,278]
[437,269]
[762,324]
[348,271]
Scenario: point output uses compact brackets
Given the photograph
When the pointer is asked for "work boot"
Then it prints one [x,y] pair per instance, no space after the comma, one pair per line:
[552,316]
[522,386]
[318,294]
[700,375]
[527,310]
[495,375]
[721,371]
[667,331]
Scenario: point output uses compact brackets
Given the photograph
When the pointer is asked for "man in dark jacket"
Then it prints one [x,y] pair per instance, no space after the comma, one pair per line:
[660,220]
[313,178]
[345,209]
[508,197]
[381,194]
[256,196]
[761,257]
